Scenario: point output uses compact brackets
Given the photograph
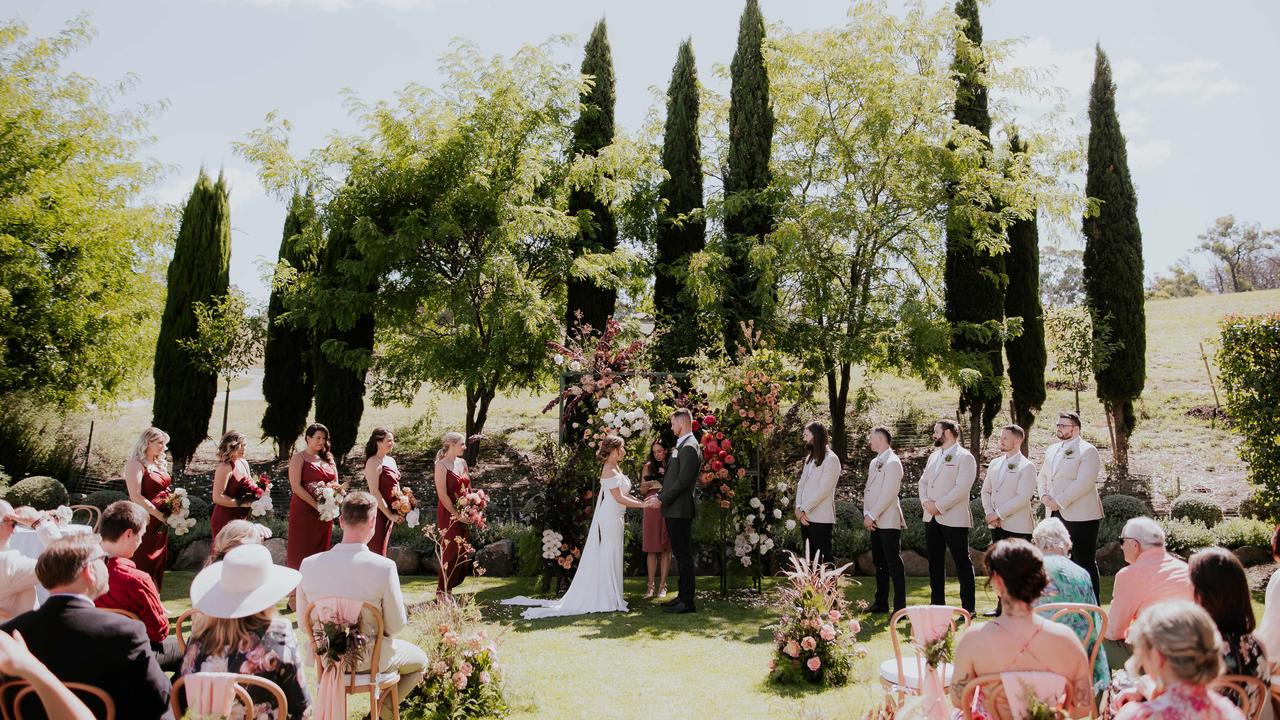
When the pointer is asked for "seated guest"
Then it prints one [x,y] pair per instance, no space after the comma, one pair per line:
[234,534]
[1019,640]
[352,571]
[18,572]
[1176,645]
[80,643]
[1268,632]
[237,628]
[1222,589]
[1153,576]
[128,588]
[58,701]
[1070,583]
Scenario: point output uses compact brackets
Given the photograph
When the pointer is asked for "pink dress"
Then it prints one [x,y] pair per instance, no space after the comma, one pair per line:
[1183,701]
[654,527]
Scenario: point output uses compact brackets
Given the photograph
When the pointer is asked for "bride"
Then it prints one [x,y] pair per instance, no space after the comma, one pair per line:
[597,586]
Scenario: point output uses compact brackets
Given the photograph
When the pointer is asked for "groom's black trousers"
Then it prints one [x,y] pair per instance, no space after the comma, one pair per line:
[680,533]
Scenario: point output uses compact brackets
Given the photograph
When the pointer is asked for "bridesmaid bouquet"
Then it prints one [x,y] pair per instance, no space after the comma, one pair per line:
[176,507]
[470,506]
[258,493]
[405,506]
[328,497]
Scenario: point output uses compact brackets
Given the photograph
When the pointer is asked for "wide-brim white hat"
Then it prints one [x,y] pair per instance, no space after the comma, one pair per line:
[243,583]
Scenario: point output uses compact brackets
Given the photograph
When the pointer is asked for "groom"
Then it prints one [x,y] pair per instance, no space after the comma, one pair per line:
[676,501]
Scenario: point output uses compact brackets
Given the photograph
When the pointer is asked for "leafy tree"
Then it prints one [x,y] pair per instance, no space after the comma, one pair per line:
[81,270]
[1022,300]
[1249,364]
[228,340]
[1113,261]
[1180,282]
[1239,252]
[1080,346]
[198,274]
[1061,276]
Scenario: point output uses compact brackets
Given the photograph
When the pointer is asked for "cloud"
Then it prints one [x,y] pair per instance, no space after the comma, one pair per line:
[1149,153]
[1198,78]
[335,5]
[241,183]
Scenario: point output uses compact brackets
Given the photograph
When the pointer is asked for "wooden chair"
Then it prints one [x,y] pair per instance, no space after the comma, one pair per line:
[14,693]
[903,678]
[1246,691]
[188,616]
[362,682]
[118,611]
[176,698]
[1057,611]
[95,515]
[995,697]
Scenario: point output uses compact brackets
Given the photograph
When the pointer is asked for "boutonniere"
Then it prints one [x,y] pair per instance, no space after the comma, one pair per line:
[948,458]
[1013,466]
[1069,452]
[879,464]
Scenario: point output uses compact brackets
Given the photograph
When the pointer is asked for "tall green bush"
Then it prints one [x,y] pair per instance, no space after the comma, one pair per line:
[1249,362]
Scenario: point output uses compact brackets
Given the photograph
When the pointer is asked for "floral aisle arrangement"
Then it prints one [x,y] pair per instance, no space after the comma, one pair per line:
[815,639]
[328,496]
[463,677]
[176,507]
[757,523]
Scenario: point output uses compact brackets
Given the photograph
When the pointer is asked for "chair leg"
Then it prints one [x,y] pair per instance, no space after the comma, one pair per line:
[395,702]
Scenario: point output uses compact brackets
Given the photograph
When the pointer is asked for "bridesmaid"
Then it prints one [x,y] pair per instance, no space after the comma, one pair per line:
[452,478]
[229,478]
[308,534]
[146,476]
[656,545]
[383,476]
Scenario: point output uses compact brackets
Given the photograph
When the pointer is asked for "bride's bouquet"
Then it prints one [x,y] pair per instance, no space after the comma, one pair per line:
[405,506]
[470,506]
[176,507]
[62,515]
[258,493]
[328,497]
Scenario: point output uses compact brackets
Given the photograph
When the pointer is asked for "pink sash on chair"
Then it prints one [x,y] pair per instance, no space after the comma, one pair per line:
[331,696]
[928,623]
[210,694]
[1047,686]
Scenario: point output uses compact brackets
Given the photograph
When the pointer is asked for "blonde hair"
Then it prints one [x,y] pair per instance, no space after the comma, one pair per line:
[232,441]
[1185,635]
[139,451]
[450,438]
[233,535]
[607,446]
[221,636]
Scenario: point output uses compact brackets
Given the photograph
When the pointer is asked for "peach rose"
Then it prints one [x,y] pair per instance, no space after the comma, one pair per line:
[814,663]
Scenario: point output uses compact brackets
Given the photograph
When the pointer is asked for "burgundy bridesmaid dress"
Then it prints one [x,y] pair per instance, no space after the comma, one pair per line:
[153,554]
[236,482]
[453,569]
[388,482]
[308,534]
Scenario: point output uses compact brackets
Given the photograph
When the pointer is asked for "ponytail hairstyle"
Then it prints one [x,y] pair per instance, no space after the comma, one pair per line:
[326,452]
[450,438]
[607,446]
[379,434]
[232,441]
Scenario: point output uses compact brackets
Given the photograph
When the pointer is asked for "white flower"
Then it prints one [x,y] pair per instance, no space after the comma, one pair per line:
[575,366]
[648,397]
[558,359]
[764,550]
[784,500]
[777,514]
[755,503]
[412,518]
[782,487]
[791,524]
[746,561]
[753,538]
[604,403]
[625,432]
[607,417]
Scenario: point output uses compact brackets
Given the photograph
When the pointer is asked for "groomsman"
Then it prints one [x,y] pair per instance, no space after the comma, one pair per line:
[882,517]
[944,493]
[1007,491]
[1069,489]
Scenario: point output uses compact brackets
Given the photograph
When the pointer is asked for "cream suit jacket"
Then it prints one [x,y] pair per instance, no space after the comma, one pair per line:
[1008,493]
[880,500]
[1070,476]
[816,492]
[947,479]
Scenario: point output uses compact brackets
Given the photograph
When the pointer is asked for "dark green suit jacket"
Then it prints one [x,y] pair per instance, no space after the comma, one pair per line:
[682,475]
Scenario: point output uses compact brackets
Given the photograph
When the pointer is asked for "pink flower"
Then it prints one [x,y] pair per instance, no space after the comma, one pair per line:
[814,663]
[475,642]
[440,668]
[450,639]
[466,669]
[792,649]
[773,664]
[443,628]
[808,643]
[485,678]
[834,615]
[827,633]
[854,627]
[459,680]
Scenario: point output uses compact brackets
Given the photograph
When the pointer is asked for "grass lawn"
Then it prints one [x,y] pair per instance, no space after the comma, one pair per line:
[649,665]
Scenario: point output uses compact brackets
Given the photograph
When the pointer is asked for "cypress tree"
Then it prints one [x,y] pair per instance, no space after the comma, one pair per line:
[748,215]
[679,234]
[287,377]
[974,277]
[598,232]
[1026,352]
[198,273]
[339,382]
[1113,262]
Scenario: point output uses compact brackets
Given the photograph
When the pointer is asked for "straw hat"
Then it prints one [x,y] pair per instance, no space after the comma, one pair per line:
[243,583]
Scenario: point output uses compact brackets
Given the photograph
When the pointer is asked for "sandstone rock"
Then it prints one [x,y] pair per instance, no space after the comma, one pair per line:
[193,555]
[915,564]
[1250,555]
[979,560]
[864,565]
[279,548]
[407,560]
[1259,576]
[498,558]
[430,564]
[1110,558]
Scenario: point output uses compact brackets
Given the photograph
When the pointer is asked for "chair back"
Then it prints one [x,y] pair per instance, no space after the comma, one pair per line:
[16,693]
[177,699]
[125,613]
[1246,691]
[995,698]
[919,658]
[375,646]
[184,618]
[94,512]
[1095,618]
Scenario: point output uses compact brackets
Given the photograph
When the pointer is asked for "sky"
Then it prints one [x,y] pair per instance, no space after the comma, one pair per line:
[1197,82]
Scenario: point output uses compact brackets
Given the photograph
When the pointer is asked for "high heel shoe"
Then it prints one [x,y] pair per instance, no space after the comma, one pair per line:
[662,591]
[649,594]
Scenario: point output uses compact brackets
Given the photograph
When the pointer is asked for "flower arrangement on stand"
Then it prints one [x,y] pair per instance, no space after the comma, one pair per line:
[720,469]
[176,507]
[815,639]
[757,523]
[462,676]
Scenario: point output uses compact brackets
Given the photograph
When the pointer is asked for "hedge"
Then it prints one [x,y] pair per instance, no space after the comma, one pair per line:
[1249,368]
[1198,508]
[40,492]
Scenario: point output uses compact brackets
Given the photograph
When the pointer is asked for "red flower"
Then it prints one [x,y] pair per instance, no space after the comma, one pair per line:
[720,436]
[712,446]
[726,445]
[730,459]
[709,420]
[696,426]
[716,465]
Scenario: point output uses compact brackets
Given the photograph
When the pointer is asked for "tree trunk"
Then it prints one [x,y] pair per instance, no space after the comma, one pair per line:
[478,400]
[226,403]
[1024,418]
[838,404]
[1077,387]
[975,431]
[1120,448]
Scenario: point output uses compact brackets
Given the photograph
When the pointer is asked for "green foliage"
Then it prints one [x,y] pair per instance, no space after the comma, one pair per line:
[80,244]
[1240,532]
[202,530]
[1249,366]
[682,224]
[1113,255]
[1026,352]
[198,274]
[287,372]
[38,491]
[1186,536]
[1117,509]
[590,302]
[200,509]
[1194,507]
[1180,282]
[913,537]
[102,498]
[455,637]
[1081,345]
[1240,252]
[529,552]
[980,534]
[849,539]
[35,438]
[5,480]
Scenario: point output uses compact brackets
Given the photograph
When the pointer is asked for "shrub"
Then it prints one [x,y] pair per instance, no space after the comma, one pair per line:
[848,542]
[1253,507]
[279,528]
[1198,508]
[1234,533]
[4,481]
[980,535]
[35,439]
[1249,367]
[529,552]
[1186,536]
[202,530]
[200,509]
[913,530]
[102,498]
[1124,507]
[40,492]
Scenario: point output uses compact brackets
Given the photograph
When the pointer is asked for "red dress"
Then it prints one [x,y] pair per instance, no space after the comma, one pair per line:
[153,554]
[453,569]
[308,534]
[388,482]
[222,514]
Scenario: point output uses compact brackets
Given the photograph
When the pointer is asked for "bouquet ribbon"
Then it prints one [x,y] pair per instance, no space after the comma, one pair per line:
[331,700]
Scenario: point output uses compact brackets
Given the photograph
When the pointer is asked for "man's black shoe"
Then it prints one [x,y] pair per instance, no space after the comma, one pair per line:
[679,608]
[878,609]
[670,603]
[991,613]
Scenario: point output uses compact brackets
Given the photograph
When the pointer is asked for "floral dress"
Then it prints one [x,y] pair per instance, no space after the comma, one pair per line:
[1242,655]
[1070,583]
[1183,701]
[273,655]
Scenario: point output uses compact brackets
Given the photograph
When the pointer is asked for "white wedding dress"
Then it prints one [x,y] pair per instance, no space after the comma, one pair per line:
[597,586]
